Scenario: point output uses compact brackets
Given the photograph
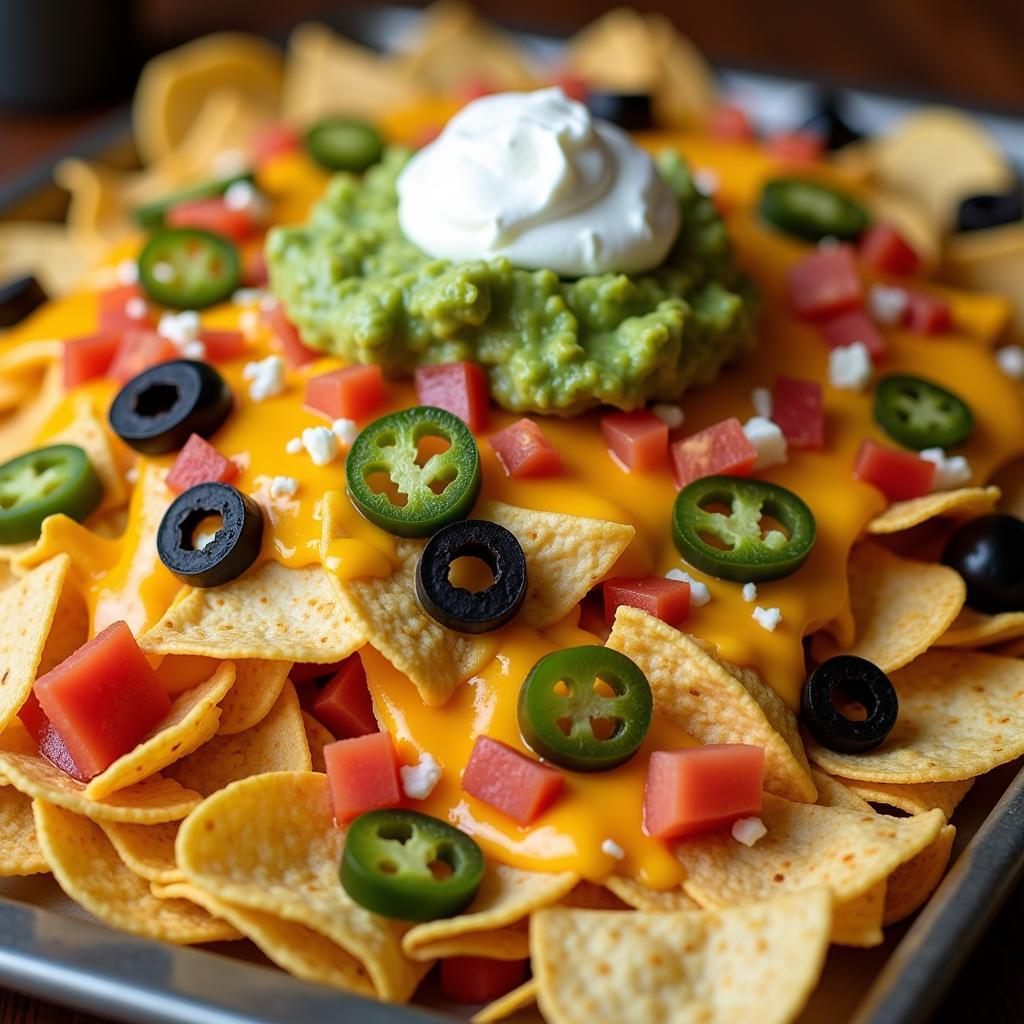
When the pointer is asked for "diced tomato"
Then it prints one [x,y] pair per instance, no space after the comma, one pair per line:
[254,267]
[729,123]
[459,388]
[103,699]
[223,346]
[668,600]
[114,315]
[928,314]
[898,475]
[274,140]
[213,215]
[799,412]
[89,357]
[363,775]
[524,451]
[852,326]
[797,148]
[344,704]
[883,250]
[47,739]
[199,462]
[352,393]
[294,352]
[701,788]
[722,448]
[825,283]
[138,351]
[509,781]
[478,979]
[637,441]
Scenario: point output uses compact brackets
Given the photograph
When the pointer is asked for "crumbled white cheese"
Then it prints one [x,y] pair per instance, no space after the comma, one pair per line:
[763,403]
[180,328]
[1011,361]
[670,414]
[345,431]
[244,196]
[767,618]
[750,592]
[951,471]
[266,376]
[706,181]
[294,446]
[321,444]
[699,593]
[612,849]
[194,350]
[164,272]
[283,487]
[247,296]
[748,830]
[419,780]
[888,304]
[127,272]
[131,474]
[849,367]
[768,440]
[136,308]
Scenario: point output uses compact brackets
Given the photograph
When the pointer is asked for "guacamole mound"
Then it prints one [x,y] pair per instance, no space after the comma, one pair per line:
[355,287]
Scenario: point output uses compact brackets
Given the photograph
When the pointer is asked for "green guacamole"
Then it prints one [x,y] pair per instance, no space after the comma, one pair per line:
[355,287]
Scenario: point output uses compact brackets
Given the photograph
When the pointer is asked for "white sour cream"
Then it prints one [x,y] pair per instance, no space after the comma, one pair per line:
[533,177]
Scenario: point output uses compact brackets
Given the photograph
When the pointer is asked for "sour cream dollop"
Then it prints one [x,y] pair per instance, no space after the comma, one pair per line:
[533,177]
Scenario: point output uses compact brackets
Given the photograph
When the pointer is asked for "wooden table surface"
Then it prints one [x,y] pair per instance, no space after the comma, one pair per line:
[944,48]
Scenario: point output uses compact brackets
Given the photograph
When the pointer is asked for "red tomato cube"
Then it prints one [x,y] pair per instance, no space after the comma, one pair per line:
[459,388]
[363,775]
[89,357]
[854,326]
[799,412]
[722,448]
[294,352]
[212,215]
[509,781]
[637,441]
[138,351]
[223,346]
[48,740]
[199,462]
[730,123]
[796,148]
[344,704]
[274,140]
[524,451]
[255,273]
[103,700]
[928,314]
[701,788]
[478,979]
[668,600]
[825,283]
[883,250]
[352,393]
[116,306]
[898,475]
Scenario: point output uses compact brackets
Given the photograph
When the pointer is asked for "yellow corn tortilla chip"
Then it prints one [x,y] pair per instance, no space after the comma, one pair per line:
[68,630]
[192,720]
[147,850]
[975,629]
[916,879]
[833,793]
[713,701]
[20,853]
[640,897]
[912,798]
[258,684]
[89,870]
[273,612]
[858,922]
[504,1006]
[900,607]
[990,260]
[19,428]
[965,503]
[88,432]
[754,963]
[46,250]
[293,947]
[591,896]
[269,843]
[960,716]
[275,744]
[27,610]
[318,736]
[509,943]
[506,895]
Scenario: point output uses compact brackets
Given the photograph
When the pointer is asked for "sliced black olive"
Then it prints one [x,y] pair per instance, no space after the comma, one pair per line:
[976,213]
[989,553]
[218,558]
[858,681]
[157,411]
[629,110]
[828,122]
[461,609]
[18,298]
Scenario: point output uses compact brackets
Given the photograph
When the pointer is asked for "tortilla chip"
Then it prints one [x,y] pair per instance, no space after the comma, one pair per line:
[713,701]
[504,1006]
[591,896]
[19,428]
[147,850]
[318,736]
[833,793]
[960,716]
[858,922]
[192,720]
[272,612]
[89,870]
[87,431]
[965,503]
[69,629]
[915,880]
[258,684]
[990,260]
[975,629]
[269,843]
[913,798]
[506,895]
[640,897]
[27,610]
[20,853]
[750,963]
[43,249]
[900,607]
[293,947]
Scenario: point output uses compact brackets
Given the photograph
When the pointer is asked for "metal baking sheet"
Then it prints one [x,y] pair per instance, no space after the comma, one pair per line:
[51,948]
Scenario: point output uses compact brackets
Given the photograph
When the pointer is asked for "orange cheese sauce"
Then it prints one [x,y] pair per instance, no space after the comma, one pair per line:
[123,578]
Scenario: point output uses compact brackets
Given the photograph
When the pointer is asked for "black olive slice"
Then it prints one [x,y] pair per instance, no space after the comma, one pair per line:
[859,682]
[629,110]
[988,552]
[829,121]
[977,213]
[18,298]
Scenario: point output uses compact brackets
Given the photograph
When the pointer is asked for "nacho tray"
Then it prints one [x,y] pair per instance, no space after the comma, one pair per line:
[51,948]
